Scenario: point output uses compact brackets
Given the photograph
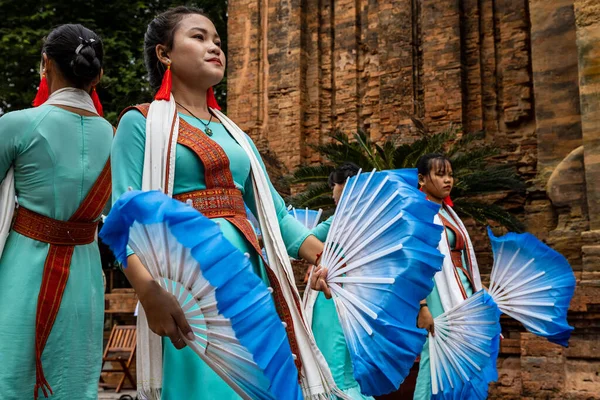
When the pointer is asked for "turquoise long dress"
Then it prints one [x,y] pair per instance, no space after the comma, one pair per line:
[434,303]
[329,335]
[57,156]
[185,376]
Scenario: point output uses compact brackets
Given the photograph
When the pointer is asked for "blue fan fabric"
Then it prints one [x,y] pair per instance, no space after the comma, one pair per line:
[241,296]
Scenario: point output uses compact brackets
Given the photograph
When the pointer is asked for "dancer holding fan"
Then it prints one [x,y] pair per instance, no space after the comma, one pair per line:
[337,181]
[379,261]
[55,158]
[182,145]
[325,323]
[459,278]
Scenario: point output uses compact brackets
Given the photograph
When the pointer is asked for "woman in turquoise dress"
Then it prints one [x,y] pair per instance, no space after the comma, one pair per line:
[57,152]
[459,277]
[184,42]
[325,322]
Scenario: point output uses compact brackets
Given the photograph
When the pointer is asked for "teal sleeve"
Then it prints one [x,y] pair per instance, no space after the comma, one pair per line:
[292,231]
[127,155]
[12,126]
[321,230]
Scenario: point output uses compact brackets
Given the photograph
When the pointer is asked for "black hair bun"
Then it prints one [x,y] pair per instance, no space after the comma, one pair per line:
[85,63]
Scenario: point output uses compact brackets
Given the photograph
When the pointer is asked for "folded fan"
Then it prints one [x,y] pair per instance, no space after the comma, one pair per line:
[533,284]
[463,351]
[237,330]
[381,254]
[309,218]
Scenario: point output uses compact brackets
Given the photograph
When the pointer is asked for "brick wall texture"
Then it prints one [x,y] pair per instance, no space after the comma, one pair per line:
[527,72]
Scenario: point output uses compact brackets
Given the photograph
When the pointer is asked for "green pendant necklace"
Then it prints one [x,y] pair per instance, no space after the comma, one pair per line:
[207,130]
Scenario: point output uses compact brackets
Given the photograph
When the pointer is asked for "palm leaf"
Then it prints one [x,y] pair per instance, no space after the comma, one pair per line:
[316,195]
[428,144]
[471,160]
[483,213]
[367,147]
[309,174]
[464,142]
[341,150]
[490,179]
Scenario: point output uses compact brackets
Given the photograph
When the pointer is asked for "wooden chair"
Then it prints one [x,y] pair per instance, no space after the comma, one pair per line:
[120,349]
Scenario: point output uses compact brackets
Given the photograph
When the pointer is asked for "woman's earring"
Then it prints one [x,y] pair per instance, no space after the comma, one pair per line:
[164,93]
[96,101]
[43,91]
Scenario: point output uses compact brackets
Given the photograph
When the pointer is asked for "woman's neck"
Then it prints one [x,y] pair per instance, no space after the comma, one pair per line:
[433,198]
[58,84]
[192,98]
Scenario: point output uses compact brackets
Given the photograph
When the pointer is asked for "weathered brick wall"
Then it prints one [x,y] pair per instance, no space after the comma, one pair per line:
[527,72]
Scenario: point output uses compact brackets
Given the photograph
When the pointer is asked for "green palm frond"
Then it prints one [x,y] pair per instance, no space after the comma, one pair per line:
[473,158]
[341,150]
[316,195]
[368,148]
[475,173]
[464,142]
[483,213]
[408,155]
[309,174]
[490,179]
[386,152]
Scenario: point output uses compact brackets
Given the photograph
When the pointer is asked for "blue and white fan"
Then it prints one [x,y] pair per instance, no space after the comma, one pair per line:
[253,221]
[381,254]
[308,218]
[533,284]
[464,348]
[237,330]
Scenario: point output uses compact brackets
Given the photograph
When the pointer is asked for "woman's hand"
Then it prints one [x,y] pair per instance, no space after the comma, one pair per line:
[318,281]
[307,274]
[164,314]
[425,320]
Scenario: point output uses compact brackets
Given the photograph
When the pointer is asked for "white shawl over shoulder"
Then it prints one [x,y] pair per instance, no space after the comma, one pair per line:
[162,126]
[445,280]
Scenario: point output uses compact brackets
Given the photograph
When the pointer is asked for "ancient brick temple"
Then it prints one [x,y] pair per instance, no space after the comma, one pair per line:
[525,71]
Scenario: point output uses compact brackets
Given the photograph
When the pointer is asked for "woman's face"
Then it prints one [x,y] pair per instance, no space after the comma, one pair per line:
[438,184]
[196,55]
[338,188]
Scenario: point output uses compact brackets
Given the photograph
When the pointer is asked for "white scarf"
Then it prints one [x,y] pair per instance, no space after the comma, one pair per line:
[445,280]
[70,97]
[162,126]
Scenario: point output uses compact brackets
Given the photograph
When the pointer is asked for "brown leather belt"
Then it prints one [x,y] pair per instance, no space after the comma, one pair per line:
[49,230]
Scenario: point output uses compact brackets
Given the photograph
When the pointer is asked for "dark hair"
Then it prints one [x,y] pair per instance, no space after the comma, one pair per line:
[162,31]
[77,51]
[433,160]
[342,173]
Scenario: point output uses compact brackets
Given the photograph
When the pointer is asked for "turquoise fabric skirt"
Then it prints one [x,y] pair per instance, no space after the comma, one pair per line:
[73,353]
[332,343]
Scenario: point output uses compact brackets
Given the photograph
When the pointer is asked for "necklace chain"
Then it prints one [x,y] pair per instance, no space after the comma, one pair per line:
[208,131]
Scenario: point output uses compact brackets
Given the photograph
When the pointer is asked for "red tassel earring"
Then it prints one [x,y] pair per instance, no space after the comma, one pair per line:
[211,100]
[42,93]
[164,93]
[96,101]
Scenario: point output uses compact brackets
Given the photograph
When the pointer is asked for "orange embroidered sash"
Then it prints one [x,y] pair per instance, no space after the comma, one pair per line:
[62,236]
[221,199]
